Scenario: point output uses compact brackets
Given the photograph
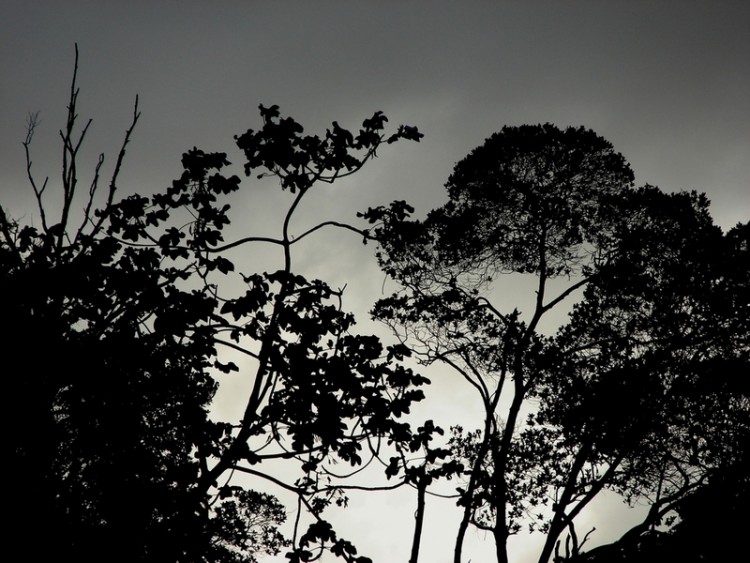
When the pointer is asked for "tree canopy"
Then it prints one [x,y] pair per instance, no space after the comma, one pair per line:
[115,319]
[641,390]
[627,373]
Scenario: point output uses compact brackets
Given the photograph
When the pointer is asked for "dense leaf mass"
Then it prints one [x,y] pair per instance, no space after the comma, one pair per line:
[105,415]
[627,369]
[529,186]
[115,332]
[641,390]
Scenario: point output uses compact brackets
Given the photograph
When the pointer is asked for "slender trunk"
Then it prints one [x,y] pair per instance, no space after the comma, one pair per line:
[233,453]
[419,519]
[470,489]
[484,448]
[500,500]
[500,535]
[560,520]
[500,457]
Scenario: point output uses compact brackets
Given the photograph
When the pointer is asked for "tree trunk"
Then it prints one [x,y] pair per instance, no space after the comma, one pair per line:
[471,487]
[419,519]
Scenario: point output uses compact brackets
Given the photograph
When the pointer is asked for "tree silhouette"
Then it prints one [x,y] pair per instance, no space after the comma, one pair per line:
[115,319]
[121,314]
[642,391]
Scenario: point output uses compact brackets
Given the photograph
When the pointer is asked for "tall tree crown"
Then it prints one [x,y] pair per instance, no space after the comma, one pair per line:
[532,189]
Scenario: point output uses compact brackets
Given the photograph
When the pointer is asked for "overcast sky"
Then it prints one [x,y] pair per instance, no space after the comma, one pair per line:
[668,83]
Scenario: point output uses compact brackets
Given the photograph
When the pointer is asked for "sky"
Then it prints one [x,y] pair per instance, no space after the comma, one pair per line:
[667,82]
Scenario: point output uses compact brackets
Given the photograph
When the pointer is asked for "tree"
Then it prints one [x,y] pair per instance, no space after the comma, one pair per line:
[115,318]
[710,527]
[641,391]
[710,429]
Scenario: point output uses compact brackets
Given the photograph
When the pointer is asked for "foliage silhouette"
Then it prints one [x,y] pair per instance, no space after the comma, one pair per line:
[710,527]
[112,446]
[642,391]
[134,303]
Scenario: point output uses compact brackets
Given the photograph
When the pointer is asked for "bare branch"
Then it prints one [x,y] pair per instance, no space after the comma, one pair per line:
[362,232]
[566,293]
[69,170]
[244,241]
[118,166]
[32,121]
[92,192]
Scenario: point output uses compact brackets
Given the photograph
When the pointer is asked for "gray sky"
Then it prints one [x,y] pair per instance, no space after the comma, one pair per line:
[667,83]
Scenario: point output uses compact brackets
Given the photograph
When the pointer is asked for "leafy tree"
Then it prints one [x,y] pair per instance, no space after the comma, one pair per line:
[642,391]
[114,321]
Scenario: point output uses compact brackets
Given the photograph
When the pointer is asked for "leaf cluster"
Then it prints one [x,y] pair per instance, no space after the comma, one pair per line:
[641,390]
[130,311]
